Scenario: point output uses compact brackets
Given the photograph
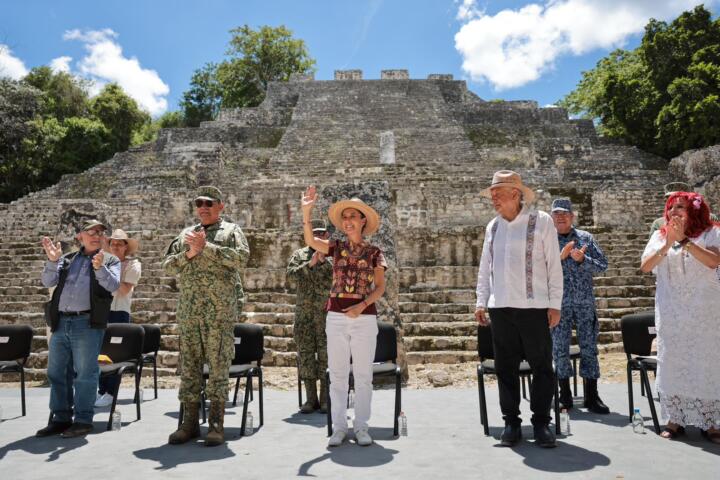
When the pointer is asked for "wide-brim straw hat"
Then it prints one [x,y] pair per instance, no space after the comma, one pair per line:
[508,178]
[133,244]
[371,216]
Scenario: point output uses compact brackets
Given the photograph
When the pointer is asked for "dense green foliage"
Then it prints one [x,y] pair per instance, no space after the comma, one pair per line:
[253,59]
[49,126]
[664,96]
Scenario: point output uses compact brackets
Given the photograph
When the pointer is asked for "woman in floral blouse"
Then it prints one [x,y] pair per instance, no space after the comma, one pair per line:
[351,324]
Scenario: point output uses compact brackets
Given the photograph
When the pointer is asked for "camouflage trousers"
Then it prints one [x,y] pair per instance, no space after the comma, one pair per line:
[586,325]
[206,341]
[309,333]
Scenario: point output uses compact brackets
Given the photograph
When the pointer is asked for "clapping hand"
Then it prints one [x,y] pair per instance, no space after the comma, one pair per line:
[565,252]
[97,259]
[196,240]
[53,251]
[308,200]
[578,254]
[676,229]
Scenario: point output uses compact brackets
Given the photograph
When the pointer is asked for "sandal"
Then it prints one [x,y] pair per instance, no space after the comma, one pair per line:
[713,436]
[670,433]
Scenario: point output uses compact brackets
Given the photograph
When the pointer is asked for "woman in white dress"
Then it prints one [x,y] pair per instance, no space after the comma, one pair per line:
[684,255]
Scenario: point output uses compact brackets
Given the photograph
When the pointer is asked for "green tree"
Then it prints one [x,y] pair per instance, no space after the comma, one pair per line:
[149,131]
[64,95]
[254,59]
[120,114]
[662,96]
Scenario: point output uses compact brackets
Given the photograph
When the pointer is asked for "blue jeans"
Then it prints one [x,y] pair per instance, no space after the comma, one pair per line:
[109,384]
[73,368]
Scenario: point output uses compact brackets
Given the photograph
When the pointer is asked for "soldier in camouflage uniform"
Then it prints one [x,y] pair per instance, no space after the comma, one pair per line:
[312,272]
[207,259]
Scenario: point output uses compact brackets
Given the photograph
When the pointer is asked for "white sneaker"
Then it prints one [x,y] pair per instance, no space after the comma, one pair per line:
[337,438]
[363,438]
[104,400]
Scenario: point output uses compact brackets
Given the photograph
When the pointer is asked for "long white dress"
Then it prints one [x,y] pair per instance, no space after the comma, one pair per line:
[687,319]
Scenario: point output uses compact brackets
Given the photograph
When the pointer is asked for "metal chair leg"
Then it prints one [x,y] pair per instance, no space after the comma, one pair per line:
[651,401]
[260,395]
[574,362]
[630,392]
[246,401]
[483,402]
[398,401]
[22,388]
[556,404]
[155,375]
[237,386]
[329,404]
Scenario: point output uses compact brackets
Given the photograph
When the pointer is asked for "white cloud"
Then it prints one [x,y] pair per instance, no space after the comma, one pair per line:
[105,63]
[61,64]
[10,65]
[515,47]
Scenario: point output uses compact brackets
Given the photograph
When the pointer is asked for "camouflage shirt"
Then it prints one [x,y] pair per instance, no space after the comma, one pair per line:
[313,283]
[216,270]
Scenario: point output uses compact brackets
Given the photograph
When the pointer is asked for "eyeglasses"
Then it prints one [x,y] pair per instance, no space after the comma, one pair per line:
[199,203]
[95,233]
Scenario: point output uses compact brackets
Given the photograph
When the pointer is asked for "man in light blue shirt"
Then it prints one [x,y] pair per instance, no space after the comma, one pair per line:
[77,316]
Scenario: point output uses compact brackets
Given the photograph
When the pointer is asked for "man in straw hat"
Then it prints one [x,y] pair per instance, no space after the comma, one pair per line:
[312,271]
[520,287]
[207,259]
[77,315]
[351,323]
[124,248]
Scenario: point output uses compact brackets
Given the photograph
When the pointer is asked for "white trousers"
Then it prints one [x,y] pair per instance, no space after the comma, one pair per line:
[346,337]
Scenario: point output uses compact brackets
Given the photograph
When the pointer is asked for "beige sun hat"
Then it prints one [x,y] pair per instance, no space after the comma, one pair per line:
[508,178]
[133,244]
[373,219]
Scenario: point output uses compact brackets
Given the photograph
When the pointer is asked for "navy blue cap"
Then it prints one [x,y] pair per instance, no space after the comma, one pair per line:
[561,205]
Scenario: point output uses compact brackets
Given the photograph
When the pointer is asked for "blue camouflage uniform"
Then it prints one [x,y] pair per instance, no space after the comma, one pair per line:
[578,307]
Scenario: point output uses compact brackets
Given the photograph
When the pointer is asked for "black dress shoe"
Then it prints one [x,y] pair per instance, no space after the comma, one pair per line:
[544,437]
[597,406]
[53,428]
[511,435]
[77,430]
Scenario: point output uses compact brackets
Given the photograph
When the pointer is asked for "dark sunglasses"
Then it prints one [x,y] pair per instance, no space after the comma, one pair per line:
[204,203]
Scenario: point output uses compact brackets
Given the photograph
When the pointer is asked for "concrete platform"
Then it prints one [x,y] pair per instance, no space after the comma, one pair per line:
[445,440]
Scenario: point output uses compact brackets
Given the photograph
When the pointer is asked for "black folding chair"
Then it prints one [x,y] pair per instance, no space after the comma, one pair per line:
[384,365]
[151,345]
[123,343]
[487,367]
[247,363]
[15,346]
[638,332]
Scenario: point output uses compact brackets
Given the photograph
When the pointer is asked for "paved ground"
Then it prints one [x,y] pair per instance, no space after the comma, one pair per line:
[445,439]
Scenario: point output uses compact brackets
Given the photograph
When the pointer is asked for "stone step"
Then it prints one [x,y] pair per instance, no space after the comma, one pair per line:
[440,296]
[433,343]
[427,307]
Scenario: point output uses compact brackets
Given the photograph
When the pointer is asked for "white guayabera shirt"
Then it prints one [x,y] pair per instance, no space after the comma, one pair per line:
[520,263]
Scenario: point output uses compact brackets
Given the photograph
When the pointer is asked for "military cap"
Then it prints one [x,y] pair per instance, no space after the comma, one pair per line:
[209,192]
[673,187]
[319,226]
[561,205]
[89,224]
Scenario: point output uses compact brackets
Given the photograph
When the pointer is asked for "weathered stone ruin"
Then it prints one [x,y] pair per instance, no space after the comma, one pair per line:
[425,148]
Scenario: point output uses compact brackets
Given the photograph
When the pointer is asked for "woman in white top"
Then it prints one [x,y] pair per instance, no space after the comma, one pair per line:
[684,254]
[123,247]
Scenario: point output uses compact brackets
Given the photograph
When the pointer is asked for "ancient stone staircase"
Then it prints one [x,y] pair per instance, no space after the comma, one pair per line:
[448,144]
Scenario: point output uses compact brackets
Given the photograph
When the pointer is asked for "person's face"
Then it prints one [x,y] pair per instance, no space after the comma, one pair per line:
[91,240]
[679,209]
[505,199]
[118,248]
[563,221]
[352,222]
[208,211]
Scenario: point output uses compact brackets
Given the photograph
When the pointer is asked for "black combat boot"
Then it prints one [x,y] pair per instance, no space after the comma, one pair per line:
[592,399]
[566,397]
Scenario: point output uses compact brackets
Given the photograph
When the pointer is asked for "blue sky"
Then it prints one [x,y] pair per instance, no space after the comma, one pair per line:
[505,49]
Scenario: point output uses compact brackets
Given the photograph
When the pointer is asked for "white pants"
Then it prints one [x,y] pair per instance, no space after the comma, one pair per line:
[346,337]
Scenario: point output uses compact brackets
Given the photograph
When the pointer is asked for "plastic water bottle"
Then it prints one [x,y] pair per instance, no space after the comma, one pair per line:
[402,422]
[564,422]
[116,421]
[638,422]
[248,424]
[351,399]
[140,395]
